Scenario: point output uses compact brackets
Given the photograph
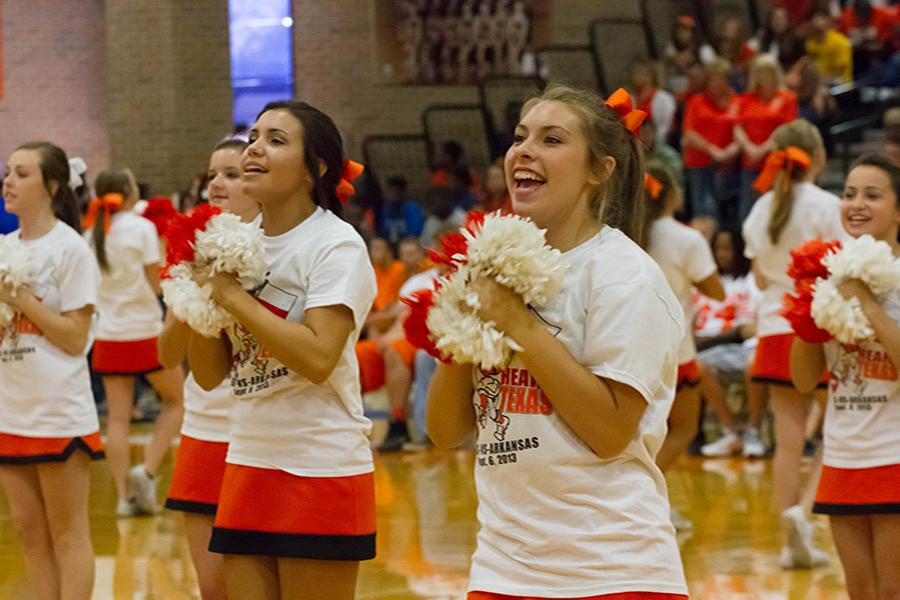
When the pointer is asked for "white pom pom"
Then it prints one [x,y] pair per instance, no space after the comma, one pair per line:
[192,303]
[512,251]
[227,245]
[863,258]
[14,271]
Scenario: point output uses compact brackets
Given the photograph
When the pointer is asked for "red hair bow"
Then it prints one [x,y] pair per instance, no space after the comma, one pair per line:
[108,203]
[351,171]
[620,101]
[652,185]
[777,161]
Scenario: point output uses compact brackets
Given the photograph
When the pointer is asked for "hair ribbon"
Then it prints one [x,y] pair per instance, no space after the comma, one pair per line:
[109,204]
[620,101]
[780,160]
[653,186]
[345,189]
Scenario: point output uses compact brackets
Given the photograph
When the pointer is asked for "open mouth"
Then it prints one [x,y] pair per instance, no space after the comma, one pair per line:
[527,180]
[251,169]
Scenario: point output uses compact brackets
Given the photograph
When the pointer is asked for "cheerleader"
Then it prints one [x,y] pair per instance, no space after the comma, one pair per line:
[794,211]
[860,485]
[49,430]
[129,321]
[298,436]
[200,461]
[687,262]
[568,432]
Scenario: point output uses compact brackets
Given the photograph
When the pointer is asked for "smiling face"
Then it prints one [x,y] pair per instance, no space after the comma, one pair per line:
[548,171]
[869,204]
[24,189]
[273,166]
[225,188]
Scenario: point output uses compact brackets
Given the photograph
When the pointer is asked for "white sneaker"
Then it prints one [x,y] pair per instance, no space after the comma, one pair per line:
[800,539]
[679,521]
[753,444]
[819,559]
[727,445]
[125,508]
[144,489]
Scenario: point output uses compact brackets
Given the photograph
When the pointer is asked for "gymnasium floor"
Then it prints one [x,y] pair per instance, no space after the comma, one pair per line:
[426,531]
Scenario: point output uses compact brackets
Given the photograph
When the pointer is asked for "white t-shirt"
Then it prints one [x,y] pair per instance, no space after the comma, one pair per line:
[816,214]
[685,259]
[862,423]
[127,307]
[557,520]
[45,392]
[206,413]
[281,420]
[420,281]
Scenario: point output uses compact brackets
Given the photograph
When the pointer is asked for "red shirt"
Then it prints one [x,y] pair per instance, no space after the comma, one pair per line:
[759,119]
[882,21]
[711,121]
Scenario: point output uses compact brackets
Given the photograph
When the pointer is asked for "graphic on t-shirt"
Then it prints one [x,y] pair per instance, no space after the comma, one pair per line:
[488,407]
[249,352]
[854,370]
[9,338]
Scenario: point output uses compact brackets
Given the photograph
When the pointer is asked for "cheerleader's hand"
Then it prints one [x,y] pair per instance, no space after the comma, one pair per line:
[854,288]
[501,305]
[11,297]
[222,284]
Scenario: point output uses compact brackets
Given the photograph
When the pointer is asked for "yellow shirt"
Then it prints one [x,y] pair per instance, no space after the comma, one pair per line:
[833,56]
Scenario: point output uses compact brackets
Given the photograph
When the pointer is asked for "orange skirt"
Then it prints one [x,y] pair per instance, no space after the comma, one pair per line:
[772,361]
[870,491]
[21,450]
[688,374]
[619,596]
[197,476]
[125,358]
[273,513]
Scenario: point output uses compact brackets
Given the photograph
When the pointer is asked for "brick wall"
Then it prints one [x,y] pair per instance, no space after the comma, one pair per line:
[169,86]
[54,84]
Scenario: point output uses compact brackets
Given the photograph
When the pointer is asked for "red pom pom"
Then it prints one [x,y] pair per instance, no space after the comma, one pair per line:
[806,259]
[181,232]
[415,327]
[797,310]
[454,246]
[159,211]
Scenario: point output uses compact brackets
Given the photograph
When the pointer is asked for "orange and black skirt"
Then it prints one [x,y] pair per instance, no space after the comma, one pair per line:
[868,491]
[197,476]
[274,513]
[22,450]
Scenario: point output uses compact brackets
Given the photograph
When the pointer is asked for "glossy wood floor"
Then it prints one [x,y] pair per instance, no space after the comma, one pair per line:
[426,531]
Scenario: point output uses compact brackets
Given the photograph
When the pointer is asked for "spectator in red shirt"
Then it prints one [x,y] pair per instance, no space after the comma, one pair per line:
[871,31]
[766,105]
[708,143]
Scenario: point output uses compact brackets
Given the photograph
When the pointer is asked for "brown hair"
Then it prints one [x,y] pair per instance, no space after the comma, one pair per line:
[619,202]
[804,135]
[656,206]
[54,166]
[110,181]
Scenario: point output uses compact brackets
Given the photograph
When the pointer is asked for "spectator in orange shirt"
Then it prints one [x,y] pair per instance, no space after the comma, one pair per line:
[657,103]
[708,140]
[766,105]
[389,276]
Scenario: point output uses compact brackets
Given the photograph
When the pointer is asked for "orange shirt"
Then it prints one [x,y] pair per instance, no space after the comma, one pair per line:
[759,118]
[388,281]
[712,122]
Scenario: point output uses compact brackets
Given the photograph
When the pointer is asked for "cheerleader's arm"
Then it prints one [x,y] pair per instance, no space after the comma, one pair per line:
[209,359]
[450,415]
[807,365]
[173,342]
[67,330]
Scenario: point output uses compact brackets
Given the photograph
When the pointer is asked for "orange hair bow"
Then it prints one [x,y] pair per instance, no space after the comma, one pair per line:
[351,171]
[108,203]
[780,160]
[620,101]
[652,185]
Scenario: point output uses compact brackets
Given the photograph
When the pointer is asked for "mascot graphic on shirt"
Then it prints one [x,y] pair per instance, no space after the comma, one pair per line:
[490,405]
[845,372]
